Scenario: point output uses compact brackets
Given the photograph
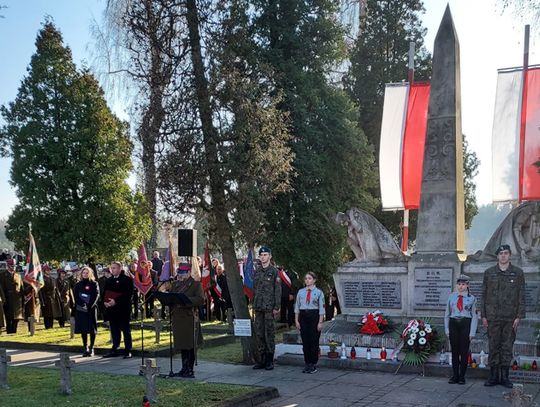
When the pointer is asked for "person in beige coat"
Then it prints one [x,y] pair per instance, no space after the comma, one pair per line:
[185,318]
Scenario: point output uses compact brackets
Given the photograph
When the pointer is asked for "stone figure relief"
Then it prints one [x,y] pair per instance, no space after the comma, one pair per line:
[521,230]
[367,237]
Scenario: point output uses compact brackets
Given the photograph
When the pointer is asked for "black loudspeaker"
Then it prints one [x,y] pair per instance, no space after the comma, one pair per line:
[187,242]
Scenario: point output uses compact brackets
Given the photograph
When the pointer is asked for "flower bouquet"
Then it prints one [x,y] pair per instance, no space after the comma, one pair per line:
[420,340]
[375,323]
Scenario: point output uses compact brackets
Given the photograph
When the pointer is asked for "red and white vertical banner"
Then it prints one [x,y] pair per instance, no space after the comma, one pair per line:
[516,136]
[401,153]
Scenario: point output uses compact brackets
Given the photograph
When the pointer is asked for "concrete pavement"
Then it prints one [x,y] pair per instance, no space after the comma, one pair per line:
[327,387]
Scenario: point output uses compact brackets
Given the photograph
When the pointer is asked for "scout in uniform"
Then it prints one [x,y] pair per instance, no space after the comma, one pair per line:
[266,304]
[309,316]
[12,286]
[460,323]
[503,306]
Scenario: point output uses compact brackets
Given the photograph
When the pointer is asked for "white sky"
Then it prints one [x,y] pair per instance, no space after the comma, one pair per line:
[488,38]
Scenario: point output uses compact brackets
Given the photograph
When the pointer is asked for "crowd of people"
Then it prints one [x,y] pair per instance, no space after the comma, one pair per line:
[86,294]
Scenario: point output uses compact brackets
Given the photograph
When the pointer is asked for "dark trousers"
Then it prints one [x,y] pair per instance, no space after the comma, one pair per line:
[85,340]
[11,326]
[501,336]
[48,322]
[310,335]
[287,311]
[459,342]
[118,328]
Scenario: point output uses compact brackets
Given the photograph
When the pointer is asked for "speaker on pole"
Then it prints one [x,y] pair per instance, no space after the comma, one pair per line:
[187,242]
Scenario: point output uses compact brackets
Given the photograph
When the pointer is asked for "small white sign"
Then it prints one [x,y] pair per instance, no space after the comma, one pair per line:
[242,327]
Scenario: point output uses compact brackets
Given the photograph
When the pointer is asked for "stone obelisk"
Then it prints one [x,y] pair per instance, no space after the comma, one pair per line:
[441,220]
[439,237]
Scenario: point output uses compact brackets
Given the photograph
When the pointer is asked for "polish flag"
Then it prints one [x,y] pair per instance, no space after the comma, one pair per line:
[516,135]
[403,135]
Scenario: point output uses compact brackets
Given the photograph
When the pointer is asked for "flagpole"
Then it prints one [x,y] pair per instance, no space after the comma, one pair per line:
[523,117]
[405,232]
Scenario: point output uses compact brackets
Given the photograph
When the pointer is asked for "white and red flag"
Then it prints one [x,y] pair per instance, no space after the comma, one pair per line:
[516,135]
[401,153]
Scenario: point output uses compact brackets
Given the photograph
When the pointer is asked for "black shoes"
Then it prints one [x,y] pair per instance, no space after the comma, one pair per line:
[111,354]
[453,380]
[269,361]
[461,380]
[128,355]
[493,377]
[505,381]
[88,352]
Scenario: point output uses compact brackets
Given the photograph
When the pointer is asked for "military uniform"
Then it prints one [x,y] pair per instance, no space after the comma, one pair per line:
[12,286]
[50,301]
[266,299]
[503,300]
[66,299]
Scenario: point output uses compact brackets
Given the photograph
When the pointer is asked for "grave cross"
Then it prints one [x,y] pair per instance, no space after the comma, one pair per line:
[517,397]
[72,327]
[32,325]
[150,371]
[65,365]
[4,359]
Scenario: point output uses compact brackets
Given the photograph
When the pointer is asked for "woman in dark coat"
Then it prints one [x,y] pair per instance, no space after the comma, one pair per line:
[86,295]
[185,319]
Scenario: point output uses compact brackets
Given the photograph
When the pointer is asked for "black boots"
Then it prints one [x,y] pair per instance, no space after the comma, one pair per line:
[493,376]
[505,381]
[261,364]
[269,361]
[185,361]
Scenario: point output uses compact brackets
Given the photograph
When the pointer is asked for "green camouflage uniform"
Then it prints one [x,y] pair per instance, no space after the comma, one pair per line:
[267,297]
[503,300]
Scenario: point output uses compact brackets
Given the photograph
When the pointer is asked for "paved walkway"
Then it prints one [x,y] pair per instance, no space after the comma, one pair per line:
[328,387]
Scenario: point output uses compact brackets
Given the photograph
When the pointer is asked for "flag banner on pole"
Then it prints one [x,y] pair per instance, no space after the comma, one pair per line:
[401,153]
[205,278]
[143,278]
[33,274]
[169,267]
[285,278]
[516,136]
[248,275]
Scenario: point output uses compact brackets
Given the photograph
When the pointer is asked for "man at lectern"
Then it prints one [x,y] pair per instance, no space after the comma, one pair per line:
[185,318]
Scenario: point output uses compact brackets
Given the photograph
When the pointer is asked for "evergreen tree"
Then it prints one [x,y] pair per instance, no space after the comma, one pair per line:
[71,159]
[302,42]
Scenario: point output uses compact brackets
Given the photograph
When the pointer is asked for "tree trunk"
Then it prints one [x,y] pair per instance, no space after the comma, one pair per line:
[219,212]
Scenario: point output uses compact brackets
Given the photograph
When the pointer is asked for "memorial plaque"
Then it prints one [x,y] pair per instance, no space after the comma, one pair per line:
[432,286]
[372,294]
[532,290]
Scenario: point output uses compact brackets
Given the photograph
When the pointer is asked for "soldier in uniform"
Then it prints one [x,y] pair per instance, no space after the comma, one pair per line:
[186,325]
[12,285]
[503,306]
[50,301]
[266,304]
[66,296]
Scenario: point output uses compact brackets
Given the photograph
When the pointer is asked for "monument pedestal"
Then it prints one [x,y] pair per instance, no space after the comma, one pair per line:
[431,280]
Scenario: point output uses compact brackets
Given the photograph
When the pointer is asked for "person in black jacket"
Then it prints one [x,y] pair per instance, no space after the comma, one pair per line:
[224,302]
[117,301]
[86,295]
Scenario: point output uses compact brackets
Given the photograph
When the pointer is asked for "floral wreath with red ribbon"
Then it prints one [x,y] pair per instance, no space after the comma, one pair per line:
[375,323]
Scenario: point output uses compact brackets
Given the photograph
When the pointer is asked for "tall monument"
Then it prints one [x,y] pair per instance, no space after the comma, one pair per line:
[441,218]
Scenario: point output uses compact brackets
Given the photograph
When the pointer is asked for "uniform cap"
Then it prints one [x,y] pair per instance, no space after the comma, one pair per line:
[463,278]
[265,249]
[503,247]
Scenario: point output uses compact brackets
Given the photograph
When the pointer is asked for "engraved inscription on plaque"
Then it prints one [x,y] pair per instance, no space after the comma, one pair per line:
[432,286]
[532,289]
[372,294]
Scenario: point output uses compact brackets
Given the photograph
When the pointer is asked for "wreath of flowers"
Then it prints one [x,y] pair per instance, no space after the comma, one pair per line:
[375,323]
[420,340]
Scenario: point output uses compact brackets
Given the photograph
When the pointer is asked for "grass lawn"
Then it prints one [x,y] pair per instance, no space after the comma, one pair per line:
[40,388]
[61,336]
